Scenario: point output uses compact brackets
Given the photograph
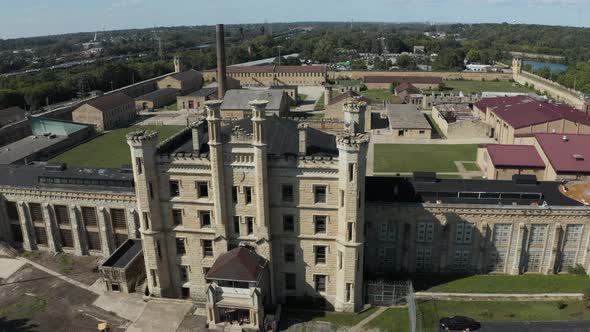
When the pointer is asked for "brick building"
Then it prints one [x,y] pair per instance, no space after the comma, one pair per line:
[107,112]
[253,76]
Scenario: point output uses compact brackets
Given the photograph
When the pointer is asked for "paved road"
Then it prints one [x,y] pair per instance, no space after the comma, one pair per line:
[569,326]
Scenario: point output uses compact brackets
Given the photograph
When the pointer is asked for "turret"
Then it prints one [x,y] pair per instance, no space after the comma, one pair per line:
[354,116]
[258,119]
[352,155]
[516,66]
[145,172]
[176,64]
[328,94]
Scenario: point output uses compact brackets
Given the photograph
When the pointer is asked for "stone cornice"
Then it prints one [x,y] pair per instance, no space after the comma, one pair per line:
[51,195]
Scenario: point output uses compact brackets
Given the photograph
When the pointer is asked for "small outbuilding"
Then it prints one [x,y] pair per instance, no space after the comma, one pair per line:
[124,271]
[156,99]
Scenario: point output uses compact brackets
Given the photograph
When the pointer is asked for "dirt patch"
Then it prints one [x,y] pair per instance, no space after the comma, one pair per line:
[32,300]
[80,268]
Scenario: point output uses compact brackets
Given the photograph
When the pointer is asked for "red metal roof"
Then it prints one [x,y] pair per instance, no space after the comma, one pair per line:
[514,156]
[401,79]
[566,155]
[524,111]
[239,264]
[406,86]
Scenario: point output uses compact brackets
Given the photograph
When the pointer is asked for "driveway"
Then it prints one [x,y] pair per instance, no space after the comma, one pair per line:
[564,326]
[164,316]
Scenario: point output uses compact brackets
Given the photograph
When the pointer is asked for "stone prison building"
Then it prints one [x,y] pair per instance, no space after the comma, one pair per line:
[264,211]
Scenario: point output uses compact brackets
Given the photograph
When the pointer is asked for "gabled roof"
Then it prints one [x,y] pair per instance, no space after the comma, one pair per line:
[278,69]
[239,264]
[348,95]
[571,154]
[110,101]
[239,99]
[204,92]
[514,156]
[187,75]
[151,96]
[401,79]
[406,86]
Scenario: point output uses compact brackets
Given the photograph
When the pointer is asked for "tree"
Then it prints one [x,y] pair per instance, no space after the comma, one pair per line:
[358,65]
[473,55]
[449,59]
[392,87]
[405,61]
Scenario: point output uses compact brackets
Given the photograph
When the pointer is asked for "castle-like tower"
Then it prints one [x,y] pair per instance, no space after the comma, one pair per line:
[516,66]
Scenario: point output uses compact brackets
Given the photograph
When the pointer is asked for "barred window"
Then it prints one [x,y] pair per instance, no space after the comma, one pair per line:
[289,253]
[497,261]
[89,216]
[118,218]
[501,234]
[180,246]
[320,283]
[320,254]
[537,234]
[288,223]
[12,210]
[93,241]
[461,260]
[387,231]
[573,235]
[464,233]
[533,263]
[425,232]
[41,235]
[120,239]
[36,212]
[320,224]
[287,193]
[290,281]
[423,259]
[61,214]
[386,256]
[67,241]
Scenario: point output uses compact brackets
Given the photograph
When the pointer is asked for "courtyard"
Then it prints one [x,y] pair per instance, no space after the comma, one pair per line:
[408,158]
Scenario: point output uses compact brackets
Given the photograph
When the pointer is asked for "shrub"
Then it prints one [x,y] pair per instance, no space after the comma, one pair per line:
[561,305]
[576,269]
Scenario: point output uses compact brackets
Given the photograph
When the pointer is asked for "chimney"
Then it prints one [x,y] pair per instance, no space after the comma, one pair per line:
[302,139]
[221,70]
[327,95]
[198,128]
[176,64]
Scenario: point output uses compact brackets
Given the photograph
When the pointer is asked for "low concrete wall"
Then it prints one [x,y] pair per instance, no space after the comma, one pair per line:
[554,90]
[469,76]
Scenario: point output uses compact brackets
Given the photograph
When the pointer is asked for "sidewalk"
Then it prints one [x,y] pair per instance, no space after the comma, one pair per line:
[490,296]
[359,327]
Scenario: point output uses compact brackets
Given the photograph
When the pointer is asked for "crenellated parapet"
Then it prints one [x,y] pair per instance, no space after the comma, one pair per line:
[350,141]
[142,137]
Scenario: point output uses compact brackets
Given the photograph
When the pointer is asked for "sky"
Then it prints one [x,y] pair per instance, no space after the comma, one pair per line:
[25,18]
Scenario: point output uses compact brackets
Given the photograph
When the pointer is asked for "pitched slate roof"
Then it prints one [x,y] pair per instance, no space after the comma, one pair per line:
[204,92]
[187,75]
[239,264]
[156,94]
[239,99]
[569,155]
[514,156]
[110,101]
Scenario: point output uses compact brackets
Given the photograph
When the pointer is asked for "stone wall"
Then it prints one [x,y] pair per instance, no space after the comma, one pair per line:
[469,76]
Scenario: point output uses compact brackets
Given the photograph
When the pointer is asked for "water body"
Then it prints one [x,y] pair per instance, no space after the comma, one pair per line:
[554,67]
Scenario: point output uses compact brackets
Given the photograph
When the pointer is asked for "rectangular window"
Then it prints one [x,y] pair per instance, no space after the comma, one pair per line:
[386,257]
[177,216]
[237,225]
[349,231]
[89,216]
[234,194]
[36,212]
[180,246]
[573,235]
[61,214]
[461,260]
[339,260]
[184,273]
[158,249]
[501,234]
[120,238]
[93,239]
[118,218]
[139,162]
[423,259]
[41,235]
[463,233]
[288,223]
[289,253]
[319,194]
[387,232]
[202,189]
[350,172]
[248,191]
[287,193]
[65,235]
[146,219]
[320,224]
[154,275]
[538,232]
[174,188]
[320,283]
[250,225]
[17,233]
[151,189]
[425,232]
[207,248]
[320,255]
[205,217]
[290,281]
[341,198]
[348,292]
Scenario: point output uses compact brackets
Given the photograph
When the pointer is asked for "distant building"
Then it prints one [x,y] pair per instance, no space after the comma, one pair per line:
[334,106]
[186,81]
[107,112]
[291,90]
[197,99]
[275,75]
[236,103]
[458,121]
[11,114]
[401,121]
[384,82]
[156,99]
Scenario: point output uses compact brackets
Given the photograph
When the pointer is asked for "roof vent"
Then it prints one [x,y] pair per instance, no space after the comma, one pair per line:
[578,157]
[565,138]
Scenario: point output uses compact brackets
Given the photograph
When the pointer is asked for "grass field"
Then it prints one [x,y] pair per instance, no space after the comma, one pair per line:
[337,318]
[501,311]
[469,87]
[528,283]
[320,104]
[109,150]
[392,320]
[421,157]
[378,96]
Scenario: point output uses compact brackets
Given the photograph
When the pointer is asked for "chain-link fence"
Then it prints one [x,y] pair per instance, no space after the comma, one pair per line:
[397,293]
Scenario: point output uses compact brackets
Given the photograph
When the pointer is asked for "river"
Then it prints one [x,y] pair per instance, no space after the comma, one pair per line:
[554,67]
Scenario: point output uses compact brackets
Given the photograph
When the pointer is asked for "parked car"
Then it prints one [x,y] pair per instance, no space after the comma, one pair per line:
[459,323]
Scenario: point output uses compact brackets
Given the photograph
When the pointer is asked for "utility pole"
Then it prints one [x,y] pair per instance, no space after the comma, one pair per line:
[112,86]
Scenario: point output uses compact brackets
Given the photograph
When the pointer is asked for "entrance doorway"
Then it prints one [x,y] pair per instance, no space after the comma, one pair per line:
[234,316]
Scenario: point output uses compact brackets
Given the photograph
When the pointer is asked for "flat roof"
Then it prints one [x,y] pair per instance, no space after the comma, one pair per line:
[463,191]
[124,254]
[27,146]
[571,154]
[406,117]
[239,99]
[514,156]
[36,176]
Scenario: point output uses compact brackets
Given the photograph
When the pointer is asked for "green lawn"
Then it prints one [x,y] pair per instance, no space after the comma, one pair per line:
[471,167]
[320,104]
[336,318]
[109,150]
[528,283]
[392,320]
[501,311]
[378,96]
[469,87]
[421,157]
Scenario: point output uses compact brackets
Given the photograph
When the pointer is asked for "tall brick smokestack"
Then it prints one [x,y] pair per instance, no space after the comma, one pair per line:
[221,70]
